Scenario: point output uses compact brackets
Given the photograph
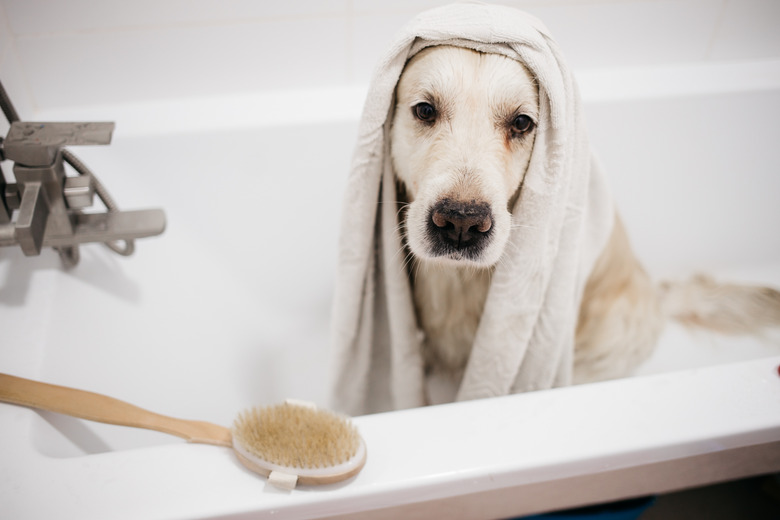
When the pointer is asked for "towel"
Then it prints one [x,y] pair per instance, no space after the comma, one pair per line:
[525,338]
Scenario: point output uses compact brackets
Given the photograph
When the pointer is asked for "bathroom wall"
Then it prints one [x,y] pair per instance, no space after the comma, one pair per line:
[56,54]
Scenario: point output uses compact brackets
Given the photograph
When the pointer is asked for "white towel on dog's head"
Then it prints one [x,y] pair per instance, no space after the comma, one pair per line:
[525,338]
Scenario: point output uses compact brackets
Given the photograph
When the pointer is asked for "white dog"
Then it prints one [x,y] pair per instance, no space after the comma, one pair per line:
[461,140]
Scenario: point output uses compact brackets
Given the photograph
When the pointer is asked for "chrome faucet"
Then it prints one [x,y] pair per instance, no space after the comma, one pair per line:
[47,204]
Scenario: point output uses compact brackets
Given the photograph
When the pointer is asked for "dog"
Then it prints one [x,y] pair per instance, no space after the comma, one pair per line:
[461,138]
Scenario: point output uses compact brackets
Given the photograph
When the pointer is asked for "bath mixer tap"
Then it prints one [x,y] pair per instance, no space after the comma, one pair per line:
[48,204]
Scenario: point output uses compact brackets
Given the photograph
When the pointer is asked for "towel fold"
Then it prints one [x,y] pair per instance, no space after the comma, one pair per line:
[525,338]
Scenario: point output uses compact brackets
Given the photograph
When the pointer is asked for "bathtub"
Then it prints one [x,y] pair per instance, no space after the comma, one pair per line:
[229,308]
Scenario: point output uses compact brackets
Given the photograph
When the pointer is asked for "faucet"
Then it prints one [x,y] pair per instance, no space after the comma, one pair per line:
[47,204]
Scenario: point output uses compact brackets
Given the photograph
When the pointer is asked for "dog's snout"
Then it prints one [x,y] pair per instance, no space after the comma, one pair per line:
[460,225]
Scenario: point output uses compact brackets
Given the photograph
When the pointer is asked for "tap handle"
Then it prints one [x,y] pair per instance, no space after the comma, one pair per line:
[37,144]
[33,216]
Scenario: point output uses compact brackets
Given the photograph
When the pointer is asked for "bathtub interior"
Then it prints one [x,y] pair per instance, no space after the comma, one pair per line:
[229,308]
[695,181]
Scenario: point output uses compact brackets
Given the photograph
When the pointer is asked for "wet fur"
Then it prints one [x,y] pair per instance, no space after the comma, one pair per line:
[470,153]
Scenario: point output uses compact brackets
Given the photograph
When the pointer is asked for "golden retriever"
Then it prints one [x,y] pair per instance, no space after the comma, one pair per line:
[461,140]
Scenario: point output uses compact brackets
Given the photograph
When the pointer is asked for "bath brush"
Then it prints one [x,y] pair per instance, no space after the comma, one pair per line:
[291,443]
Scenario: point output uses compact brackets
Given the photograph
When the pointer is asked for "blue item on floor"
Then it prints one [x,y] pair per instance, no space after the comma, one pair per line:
[623,510]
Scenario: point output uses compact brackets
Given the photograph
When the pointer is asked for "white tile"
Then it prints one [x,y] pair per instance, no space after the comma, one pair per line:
[749,29]
[98,68]
[370,38]
[34,17]
[632,33]
[414,6]
[5,33]
[397,6]
[11,75]
[16,88]
[592,34]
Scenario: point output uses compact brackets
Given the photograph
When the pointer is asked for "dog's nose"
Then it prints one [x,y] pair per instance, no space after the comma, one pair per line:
[461,224]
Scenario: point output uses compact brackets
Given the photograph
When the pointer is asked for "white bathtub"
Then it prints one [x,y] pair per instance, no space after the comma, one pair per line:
[229,309]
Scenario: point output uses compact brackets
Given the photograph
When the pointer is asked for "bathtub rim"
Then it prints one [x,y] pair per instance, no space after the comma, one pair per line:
[335,103]
[737,443]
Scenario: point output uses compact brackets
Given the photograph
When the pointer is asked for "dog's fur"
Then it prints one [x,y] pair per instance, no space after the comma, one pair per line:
[461,140]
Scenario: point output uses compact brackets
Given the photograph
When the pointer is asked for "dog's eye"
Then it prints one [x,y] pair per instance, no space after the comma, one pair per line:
[522,124]
[424,112]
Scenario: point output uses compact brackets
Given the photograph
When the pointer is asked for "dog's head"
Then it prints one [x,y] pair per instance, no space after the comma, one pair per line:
[461,140]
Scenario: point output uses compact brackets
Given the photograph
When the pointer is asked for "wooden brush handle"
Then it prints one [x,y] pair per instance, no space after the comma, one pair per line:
[101,408]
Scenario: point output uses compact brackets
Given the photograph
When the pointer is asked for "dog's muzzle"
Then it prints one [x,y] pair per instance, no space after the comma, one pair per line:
[458,229]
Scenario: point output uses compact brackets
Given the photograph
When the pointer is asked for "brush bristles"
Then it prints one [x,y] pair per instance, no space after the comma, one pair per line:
[296,436]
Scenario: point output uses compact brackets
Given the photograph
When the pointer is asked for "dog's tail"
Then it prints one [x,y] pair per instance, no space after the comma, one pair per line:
[722,307]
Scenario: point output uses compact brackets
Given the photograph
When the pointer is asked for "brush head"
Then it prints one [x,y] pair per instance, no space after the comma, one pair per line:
[317,446]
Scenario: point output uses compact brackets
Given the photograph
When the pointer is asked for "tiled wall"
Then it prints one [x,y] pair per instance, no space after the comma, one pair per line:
[60,53]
